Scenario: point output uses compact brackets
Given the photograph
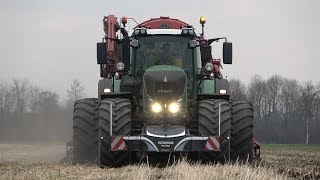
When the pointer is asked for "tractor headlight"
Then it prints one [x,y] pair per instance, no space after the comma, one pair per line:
[116,75]
[120,66]
[143,31]
[193,43]
[209,66]
[174,107]
[185,31]
[156,107]
[136,32]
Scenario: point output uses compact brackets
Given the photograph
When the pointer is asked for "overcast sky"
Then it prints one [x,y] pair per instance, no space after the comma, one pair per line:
[53,42]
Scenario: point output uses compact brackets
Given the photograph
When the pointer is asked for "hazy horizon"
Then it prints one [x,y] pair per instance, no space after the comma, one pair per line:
[53,42]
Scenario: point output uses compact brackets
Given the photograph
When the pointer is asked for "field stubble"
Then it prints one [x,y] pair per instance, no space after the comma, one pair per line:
[298,161]
[38,161]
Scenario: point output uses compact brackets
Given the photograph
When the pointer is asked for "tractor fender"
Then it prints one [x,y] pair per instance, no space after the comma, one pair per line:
[104,83]
[221,91]
[221,84]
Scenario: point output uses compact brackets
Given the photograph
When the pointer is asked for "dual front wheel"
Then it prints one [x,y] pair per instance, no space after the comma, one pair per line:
[235,128]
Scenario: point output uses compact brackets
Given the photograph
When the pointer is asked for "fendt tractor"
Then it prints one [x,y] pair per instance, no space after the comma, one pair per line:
[161,94]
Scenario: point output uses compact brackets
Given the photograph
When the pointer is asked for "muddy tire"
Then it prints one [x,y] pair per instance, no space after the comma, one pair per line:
[121,125]
[242,130]
[208,116]
[85,131]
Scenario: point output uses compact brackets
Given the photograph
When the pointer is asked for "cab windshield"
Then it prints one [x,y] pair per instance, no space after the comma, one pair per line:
[164,50]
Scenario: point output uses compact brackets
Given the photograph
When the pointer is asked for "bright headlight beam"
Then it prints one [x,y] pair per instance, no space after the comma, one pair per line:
[174,107]
[223,91]
[107,90]
[156,107]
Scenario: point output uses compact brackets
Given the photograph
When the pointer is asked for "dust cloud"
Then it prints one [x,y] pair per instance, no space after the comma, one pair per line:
[35,137]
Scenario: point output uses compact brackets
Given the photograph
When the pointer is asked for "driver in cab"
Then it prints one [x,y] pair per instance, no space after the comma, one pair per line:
[167,56]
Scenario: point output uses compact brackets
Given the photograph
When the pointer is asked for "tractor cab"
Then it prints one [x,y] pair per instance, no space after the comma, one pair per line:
[165,61]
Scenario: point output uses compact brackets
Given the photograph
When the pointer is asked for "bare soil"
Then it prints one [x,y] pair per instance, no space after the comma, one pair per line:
[301,164]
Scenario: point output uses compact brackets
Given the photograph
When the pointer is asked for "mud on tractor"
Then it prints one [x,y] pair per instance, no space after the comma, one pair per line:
[161,93]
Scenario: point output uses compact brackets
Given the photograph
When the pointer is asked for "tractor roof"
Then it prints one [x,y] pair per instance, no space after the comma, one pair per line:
[164,32]
[163,23]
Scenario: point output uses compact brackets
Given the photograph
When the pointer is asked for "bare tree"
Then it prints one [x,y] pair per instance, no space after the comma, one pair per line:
[48,101]
[317,103]
[273,91]
[256,91]
[2,95]
[34,105]
[316,125]
[75,92]
[237,89]
[21,92]
[9,100]
[308,99]
[3,91]
[43,100]
[289,97]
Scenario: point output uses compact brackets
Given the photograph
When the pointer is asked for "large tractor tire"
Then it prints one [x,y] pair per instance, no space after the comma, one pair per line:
[242,130]
[121,125]
[208,116]
[85,131]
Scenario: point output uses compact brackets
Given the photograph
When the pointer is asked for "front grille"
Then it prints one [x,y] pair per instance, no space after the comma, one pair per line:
[165,85]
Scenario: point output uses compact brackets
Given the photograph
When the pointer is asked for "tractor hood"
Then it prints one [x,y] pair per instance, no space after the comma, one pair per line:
[164,83]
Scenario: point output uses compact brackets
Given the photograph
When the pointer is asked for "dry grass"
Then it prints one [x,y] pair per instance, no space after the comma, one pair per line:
[36,162]
[32,152]
[182,170]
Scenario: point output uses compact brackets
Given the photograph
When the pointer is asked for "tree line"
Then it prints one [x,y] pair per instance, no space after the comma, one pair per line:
[285,110]
[30,112]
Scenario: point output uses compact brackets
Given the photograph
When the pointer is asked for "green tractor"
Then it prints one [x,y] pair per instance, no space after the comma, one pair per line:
[161,93]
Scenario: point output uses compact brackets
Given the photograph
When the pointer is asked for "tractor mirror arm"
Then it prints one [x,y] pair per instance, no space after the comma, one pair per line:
[209,41]
[118,41]
[124,32]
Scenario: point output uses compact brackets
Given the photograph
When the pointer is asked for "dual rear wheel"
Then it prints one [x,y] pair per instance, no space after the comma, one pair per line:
[85,131]
[91,130]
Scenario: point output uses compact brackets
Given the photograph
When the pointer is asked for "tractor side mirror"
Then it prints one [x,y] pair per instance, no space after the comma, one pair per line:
[205,52]
[227,53]
[125,53]
[102,53]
